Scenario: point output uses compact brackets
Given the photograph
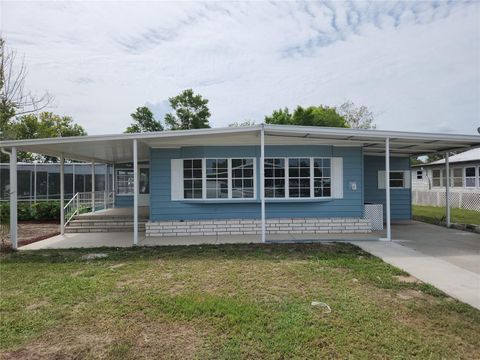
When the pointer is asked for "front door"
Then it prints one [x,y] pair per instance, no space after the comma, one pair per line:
[144,185]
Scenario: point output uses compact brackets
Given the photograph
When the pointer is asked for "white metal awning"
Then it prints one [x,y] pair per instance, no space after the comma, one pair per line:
[118,148]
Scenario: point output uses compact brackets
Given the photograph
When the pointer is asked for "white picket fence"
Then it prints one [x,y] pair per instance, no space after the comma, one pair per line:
[465,200]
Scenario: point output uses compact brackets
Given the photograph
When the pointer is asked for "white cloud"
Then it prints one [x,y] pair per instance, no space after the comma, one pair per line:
[417,65]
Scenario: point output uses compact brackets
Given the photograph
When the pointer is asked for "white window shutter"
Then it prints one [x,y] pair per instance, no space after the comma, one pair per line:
[337,177]
[176,177]
[381,179]
[406,179]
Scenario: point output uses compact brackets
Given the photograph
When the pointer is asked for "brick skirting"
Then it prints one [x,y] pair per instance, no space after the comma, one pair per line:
[253,227]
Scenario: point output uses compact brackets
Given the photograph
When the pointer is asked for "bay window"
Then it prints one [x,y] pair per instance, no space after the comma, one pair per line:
[299,177]
[235,178]
[192,179]
[242,178]
[275,178]
[322,177]
[217,178]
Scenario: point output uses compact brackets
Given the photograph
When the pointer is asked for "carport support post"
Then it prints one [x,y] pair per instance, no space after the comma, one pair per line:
[262,181]
[93,185]
[387,188]
[447,188]
[62,195]
[135,192]
[13,197]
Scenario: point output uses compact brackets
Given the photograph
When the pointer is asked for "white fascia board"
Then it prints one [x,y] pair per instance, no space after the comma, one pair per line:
[380,134]
[138,136]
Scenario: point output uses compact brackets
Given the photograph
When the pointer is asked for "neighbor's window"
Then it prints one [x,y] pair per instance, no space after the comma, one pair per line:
[470,176]
[192,179]
[322,181]
[299,177]
[436,180]
[419,174]
[275,178]
[125,185]
[396,179]
[242,178]
[217,178]
[456,177]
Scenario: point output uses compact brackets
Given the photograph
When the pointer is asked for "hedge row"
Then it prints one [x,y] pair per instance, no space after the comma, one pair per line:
[40,211]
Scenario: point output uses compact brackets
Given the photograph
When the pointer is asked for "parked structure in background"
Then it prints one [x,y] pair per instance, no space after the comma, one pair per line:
[429,181]
[41,181]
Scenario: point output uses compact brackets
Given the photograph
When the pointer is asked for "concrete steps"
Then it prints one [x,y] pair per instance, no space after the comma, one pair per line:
[103,223]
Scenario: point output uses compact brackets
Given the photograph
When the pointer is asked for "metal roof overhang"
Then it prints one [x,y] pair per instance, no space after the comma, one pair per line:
[118,148]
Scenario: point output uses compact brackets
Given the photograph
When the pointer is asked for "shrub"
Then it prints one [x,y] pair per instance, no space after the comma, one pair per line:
[40,211]
[46,210]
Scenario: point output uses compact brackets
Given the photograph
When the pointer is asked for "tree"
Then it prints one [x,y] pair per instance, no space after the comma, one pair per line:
[416,161]
[144,121]
[279,117]
[310,116]
[15,100]
[190,112]
[43,125]
[242,123]
[358,117]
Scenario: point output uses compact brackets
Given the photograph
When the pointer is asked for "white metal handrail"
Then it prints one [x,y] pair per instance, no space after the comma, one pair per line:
[82,202]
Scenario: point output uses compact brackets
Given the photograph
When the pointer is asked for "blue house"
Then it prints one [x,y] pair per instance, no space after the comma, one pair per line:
[255,180]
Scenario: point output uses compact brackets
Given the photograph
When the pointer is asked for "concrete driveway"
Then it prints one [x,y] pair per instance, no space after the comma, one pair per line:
[460,248]
[445,258]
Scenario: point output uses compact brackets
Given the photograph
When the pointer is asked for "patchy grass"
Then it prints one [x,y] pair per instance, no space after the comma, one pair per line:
[436,215]
[230,301]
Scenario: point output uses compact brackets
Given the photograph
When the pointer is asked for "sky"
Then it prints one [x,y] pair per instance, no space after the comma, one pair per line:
[416,65]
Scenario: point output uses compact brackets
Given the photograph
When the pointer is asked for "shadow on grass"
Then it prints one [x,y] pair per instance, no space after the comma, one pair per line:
[210,252]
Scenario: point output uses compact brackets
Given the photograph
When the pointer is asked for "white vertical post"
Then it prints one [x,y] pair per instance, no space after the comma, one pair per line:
[35,183]
[93,185]
[262,180]
[387,188]
[135,193]
[62,195]
[113,185]
[105,187]
[13,197]
[73,180]
[447,188]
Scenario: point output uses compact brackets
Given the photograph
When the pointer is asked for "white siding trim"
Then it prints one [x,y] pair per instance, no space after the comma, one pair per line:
[337,177]
[381,179]
[176,167]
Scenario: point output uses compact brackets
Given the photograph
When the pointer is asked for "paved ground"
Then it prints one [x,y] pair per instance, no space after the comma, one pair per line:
[460,248]
[455,281]
[124,239]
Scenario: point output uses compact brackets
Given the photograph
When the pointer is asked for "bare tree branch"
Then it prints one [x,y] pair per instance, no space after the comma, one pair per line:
[15,100]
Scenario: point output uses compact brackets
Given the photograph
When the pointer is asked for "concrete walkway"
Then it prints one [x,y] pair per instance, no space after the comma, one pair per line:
[454,280]
[125,239]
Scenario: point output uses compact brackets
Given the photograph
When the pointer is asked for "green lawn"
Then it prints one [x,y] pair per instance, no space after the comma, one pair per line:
[225,302]
[435,215]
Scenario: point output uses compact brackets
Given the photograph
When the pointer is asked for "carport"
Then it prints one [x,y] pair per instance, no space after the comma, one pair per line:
[113,149]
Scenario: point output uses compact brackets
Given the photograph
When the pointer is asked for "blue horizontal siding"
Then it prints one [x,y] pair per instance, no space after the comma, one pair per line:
[124,201]
[162,208]
[400,199]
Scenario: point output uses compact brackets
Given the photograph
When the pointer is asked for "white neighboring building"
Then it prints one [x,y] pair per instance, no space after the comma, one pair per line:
[429,181]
